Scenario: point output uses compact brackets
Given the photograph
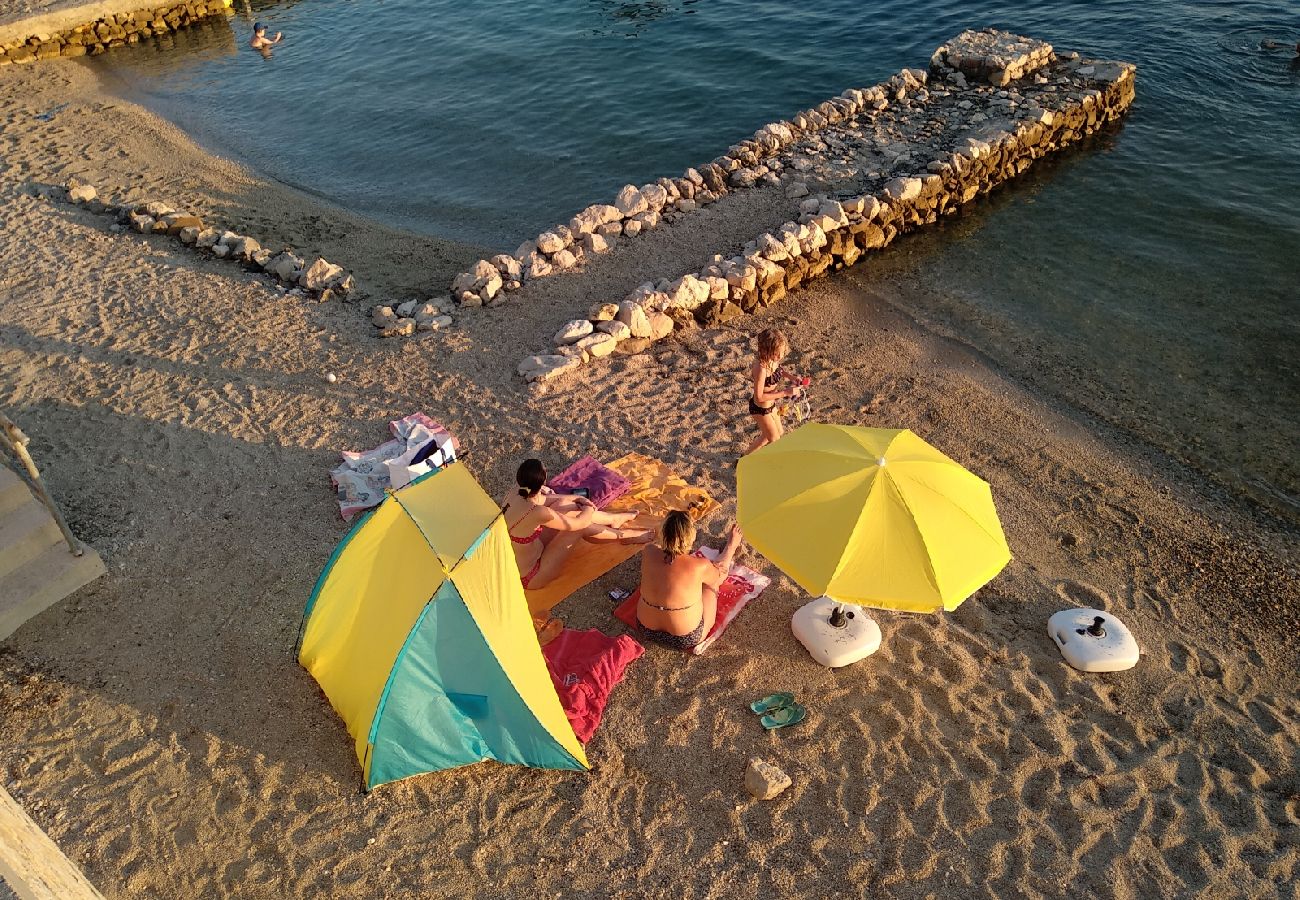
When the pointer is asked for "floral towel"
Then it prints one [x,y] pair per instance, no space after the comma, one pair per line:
[603,484]
[362,478]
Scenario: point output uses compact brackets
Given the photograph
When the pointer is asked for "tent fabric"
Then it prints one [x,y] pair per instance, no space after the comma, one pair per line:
[419,634]
[585,668]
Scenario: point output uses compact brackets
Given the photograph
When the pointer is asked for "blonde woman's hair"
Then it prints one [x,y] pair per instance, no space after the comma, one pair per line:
[772,345]
[676,535]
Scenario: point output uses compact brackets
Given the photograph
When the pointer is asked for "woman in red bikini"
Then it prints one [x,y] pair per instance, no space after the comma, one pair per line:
[545,526]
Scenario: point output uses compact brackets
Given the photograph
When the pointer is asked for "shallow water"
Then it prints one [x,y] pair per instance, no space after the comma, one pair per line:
[1152,278]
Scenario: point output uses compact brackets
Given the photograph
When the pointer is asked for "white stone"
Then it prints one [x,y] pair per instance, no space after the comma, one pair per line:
[615,329]
[764,780]
[546,367]
[537,267]
[507,265]
[321,275]
[603,312]
[634,317]
[796,189]
[661,325]
[610,229]
[82,193]
[903,190]
[564,260]
[632,228]
[407,309]
[630,201]
[573,331]
[655,196]
[688,292]
[594,243]
[550,242]
[284,266]
[598,345]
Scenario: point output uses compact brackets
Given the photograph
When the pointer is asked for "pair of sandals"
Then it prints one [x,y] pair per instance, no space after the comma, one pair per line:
[778,711]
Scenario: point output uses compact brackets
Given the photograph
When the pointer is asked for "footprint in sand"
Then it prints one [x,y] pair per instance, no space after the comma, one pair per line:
[1082,594]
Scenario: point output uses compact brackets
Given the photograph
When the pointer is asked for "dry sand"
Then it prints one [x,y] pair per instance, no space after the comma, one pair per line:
[157,725]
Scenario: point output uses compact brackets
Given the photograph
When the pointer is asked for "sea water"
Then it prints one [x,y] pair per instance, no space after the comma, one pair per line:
[1151,277]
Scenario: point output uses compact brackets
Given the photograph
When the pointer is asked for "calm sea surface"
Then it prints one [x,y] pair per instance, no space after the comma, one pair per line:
[1152,277]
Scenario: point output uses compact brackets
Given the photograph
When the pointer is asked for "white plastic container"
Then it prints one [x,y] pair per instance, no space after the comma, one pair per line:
[1092,640]
[835,646]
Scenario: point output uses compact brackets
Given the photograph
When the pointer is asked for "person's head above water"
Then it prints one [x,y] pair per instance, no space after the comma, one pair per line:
[259,29]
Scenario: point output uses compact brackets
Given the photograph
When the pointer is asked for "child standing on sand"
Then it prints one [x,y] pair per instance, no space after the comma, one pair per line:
[771,350]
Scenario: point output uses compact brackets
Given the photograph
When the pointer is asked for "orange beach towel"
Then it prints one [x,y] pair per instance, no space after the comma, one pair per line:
[654,493]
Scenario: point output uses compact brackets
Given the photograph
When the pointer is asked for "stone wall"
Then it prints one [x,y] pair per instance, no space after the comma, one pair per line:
[107,31]
[961,136]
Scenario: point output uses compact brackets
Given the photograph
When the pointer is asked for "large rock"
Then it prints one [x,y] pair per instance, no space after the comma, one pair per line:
[383,317]
[598,345]
[244,247]
[475,278]
[207,239]
[633,316]
[189,236]
[82,193]
[764,780]
[537,266]
[491,286]
[550,242]
[631,201]
[593,217]
[573,331]
[547,366]
[508,266]
[615,329]
[284,266]
[603,312]
[595,243]
[655,196]
[661,325]
[320,275]
[688,292]
[903,190]
[564,259]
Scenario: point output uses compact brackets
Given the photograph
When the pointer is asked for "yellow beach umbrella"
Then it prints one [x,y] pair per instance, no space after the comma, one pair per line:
[871,516]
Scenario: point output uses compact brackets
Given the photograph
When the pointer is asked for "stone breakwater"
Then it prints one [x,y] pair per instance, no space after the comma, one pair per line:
[319,278]
[19,44]
[884,161]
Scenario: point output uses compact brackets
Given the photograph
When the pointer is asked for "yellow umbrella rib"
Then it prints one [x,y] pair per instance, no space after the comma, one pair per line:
[995,538]
[930,574]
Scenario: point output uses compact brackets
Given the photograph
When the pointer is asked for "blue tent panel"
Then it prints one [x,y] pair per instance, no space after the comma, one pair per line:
[450,704]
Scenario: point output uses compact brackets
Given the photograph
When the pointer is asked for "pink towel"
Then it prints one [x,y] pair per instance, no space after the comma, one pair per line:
[603,484]
[585,666]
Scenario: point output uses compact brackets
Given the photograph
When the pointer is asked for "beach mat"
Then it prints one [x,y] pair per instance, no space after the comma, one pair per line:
[742,585]
[585,667]
[653,492]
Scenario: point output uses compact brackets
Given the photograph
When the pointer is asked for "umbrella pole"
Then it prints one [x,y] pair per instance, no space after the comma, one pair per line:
[838,619]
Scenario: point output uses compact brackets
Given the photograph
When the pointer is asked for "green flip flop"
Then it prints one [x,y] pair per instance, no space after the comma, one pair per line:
[783,716]
[772,702]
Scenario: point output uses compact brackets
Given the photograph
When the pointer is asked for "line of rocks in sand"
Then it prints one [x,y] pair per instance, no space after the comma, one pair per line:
[112,30]
[831,234]
[319,278]
[991,56]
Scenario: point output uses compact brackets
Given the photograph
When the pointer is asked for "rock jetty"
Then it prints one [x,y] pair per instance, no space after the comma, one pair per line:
[857,171]
[27,43]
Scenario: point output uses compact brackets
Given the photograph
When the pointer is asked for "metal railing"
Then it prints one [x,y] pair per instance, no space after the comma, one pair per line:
[15,441]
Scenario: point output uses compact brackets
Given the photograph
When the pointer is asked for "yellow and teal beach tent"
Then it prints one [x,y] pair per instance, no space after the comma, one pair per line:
[420,636]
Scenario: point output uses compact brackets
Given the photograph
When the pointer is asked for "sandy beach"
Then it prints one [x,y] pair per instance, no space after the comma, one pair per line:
[157,725]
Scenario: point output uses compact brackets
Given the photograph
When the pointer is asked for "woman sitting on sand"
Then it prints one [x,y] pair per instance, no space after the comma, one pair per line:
[679,592]
[544,526]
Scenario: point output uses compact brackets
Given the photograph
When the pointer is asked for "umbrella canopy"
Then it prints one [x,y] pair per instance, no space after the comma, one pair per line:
[871,516]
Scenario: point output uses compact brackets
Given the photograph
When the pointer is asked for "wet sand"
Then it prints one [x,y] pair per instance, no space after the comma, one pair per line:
[157,725]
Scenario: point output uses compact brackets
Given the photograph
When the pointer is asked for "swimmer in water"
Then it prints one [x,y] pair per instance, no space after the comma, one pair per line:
[260,41]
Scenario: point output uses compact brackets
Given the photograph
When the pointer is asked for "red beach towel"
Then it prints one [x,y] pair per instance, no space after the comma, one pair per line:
[741,585]
[585,666]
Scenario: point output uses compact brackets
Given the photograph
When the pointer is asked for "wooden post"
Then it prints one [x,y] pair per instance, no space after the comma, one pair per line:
[14,438]
[31,864]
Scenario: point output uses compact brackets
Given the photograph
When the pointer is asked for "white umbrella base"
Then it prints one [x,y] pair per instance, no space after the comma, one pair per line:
[1093,641]
[832,646]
